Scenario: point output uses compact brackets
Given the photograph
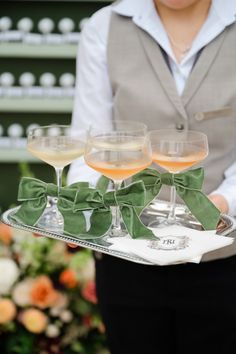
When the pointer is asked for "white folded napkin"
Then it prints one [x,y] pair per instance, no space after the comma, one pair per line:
[176,244]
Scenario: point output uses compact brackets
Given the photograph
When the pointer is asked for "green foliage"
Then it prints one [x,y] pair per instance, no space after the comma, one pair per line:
[21,342]
[25,170]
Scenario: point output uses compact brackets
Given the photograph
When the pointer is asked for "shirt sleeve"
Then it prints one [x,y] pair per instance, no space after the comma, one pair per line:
[93,94]
[228,188]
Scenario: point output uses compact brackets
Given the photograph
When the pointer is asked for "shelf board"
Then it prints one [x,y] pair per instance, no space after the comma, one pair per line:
[23,50]
[40,105]
[16,155]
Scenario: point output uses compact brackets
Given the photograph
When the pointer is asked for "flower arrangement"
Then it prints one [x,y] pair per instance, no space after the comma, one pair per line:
[48,301]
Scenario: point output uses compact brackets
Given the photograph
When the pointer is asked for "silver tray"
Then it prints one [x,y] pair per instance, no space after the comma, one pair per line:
[156,209]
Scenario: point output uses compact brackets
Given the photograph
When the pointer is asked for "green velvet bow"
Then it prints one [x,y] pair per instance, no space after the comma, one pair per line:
[188,186]
[33,194]
[73,200]
[128,199]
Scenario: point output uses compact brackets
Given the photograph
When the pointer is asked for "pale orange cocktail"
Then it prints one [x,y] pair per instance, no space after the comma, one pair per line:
[118,152]
[176,151]
[118,158]
[177,164]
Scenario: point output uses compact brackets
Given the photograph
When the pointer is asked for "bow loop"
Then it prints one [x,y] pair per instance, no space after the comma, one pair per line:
[31,189]
[88,199]
[68,193]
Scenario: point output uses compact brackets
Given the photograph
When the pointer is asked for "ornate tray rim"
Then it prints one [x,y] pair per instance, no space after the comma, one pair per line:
[94,246]
[99,245]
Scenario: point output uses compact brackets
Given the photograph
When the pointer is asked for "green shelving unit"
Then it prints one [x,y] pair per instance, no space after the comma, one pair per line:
[16,155]
[40,105]
[44,51]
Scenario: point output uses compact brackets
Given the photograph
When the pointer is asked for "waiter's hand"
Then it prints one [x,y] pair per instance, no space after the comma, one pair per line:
[220,202]
[71,245]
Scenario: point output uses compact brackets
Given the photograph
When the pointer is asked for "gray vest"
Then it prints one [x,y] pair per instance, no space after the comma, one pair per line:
[144,90]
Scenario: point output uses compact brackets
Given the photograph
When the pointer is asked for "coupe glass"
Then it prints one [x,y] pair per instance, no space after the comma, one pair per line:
[176,151]
[118,153]
[58,146]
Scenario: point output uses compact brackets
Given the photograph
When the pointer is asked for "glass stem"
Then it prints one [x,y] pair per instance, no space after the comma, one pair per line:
[116,215]
[53,220]
[59,171]
[171,216]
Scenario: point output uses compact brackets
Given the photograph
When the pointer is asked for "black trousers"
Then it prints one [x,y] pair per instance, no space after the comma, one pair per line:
[178,309]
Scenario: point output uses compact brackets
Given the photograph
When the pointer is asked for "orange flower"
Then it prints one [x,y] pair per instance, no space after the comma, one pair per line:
[89,292]
[5,233]
[42,293]
[68,278]
[34,320]
[7,311]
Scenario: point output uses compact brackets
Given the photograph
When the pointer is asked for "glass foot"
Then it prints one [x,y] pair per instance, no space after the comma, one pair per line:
[158,222]
[52,219]
[117,233]
[164,222]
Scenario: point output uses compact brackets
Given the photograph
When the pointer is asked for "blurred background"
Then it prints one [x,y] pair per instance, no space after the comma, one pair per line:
[38,46]
[48,301]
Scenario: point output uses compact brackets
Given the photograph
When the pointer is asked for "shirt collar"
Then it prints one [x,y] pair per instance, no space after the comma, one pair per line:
[226,13]
[131,8]
[139,8]
[144,15]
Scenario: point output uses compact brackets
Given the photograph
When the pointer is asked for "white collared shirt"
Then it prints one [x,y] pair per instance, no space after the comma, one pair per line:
[93,98]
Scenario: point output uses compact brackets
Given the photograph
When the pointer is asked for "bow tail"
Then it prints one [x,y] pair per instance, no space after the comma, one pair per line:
[30,211]
[134,225]
[101,221]
[74,223]
[201,207]
[152,192]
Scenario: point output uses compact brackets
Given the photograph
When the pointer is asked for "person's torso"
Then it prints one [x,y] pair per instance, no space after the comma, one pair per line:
[144,90]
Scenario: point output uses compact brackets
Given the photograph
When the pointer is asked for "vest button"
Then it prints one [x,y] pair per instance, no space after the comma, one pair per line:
[199,116]
[179,126]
